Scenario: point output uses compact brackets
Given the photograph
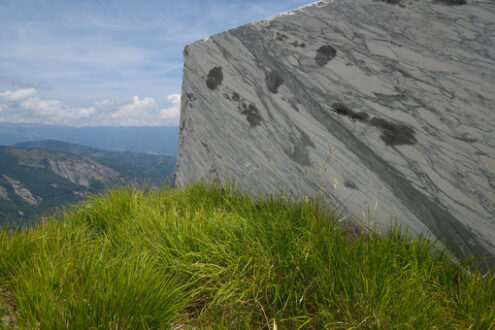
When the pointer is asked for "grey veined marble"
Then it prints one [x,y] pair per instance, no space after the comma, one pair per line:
[387,108]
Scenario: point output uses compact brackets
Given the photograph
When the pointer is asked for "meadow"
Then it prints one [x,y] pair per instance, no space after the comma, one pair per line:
[214,258]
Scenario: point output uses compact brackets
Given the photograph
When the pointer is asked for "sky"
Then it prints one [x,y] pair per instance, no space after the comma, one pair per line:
[107,62]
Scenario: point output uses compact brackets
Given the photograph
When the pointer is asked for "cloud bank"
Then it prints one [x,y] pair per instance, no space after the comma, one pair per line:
[26,106]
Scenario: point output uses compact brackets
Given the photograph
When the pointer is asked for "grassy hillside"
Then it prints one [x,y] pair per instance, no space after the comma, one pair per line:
[37,177]
[135,167]
[209,258]
[47,188]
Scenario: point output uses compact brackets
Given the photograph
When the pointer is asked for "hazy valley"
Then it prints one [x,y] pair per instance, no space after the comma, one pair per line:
[147,139]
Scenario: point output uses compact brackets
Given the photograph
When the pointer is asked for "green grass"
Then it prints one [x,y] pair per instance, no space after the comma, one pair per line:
[208,258]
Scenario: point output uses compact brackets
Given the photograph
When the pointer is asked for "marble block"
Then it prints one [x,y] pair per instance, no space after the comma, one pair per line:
[386,108]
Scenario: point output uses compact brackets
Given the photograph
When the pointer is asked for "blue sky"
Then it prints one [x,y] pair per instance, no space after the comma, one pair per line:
[107,62]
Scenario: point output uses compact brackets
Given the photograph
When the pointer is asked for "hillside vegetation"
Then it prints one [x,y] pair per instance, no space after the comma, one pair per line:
[36,181]
[206,257]
[37,177]
[132,167]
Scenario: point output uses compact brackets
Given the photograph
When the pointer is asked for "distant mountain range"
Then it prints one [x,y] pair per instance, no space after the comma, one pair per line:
[155,139]
[36,177]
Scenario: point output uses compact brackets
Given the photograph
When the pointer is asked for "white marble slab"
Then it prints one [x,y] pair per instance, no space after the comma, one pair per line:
[387,108]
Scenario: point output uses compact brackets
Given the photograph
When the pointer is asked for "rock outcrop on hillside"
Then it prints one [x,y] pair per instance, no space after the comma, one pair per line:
[78,170]
[20,191]
[387,108]
[33,181]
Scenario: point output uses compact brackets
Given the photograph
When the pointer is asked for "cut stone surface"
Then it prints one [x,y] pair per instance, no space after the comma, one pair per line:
[387,108]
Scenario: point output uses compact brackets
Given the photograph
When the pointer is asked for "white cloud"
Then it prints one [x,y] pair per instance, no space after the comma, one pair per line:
[55,109]
[174,98]
[104,104]
[172,114]
[17,95]
[24,105]
[136,109]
